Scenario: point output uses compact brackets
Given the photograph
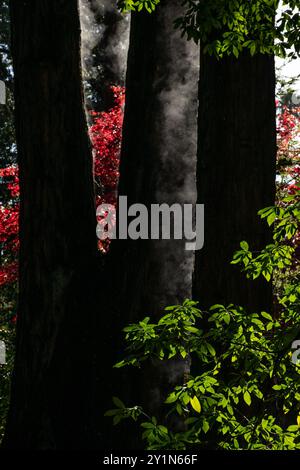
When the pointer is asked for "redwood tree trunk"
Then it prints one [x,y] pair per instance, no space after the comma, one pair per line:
[158,165]
[235,174]
[52,383]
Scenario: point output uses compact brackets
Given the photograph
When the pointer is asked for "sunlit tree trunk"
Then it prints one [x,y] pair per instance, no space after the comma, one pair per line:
[52,383]
[105,46]
[235,174]
[158,163]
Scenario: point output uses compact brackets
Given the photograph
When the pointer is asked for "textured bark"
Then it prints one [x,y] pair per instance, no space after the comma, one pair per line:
[158,165]
[158,154]
[235,174]
[52,383]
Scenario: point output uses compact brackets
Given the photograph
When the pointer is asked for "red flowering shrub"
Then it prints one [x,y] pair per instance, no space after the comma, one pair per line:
[106,135]
[8,273]
[286,123]
[288,166]
[9,225]
[288,132]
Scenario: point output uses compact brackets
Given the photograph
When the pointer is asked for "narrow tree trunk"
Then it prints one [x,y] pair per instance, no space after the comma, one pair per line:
[158,165]
[235,174]
[51,388]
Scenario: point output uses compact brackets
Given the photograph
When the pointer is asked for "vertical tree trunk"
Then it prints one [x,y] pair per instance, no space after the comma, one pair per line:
[158,165]
[235,174]
[51,389]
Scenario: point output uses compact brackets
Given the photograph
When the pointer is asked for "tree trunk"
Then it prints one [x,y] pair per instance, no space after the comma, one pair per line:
[235,174]
[158,165]
[52,383]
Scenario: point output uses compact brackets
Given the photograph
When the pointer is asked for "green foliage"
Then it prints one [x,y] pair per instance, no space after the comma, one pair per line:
[246,394]
[227,27]
[278,255]
[165,339]
[131,5]
[121,412]
[8,298]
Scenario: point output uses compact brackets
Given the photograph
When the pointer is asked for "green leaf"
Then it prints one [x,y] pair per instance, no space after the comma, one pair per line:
[267,316]
[147,425]
[183,354]
[120,364]
[271,218]
[267,275]
[179,409]
[235,51]
[247,398]
[185,398]
[196,404]
[205,426]
[118,402]
[253,48]
[293,428]
[217,307]
[171,398]
[116,420]
[244,245]
[163,429]
[112,412]
[211,349]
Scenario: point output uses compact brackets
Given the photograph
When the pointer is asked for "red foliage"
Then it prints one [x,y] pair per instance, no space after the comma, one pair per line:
[9,225]
[8,273]
[288,157]
[286,123]
[106,137]
[288,142]
[105,134]
[9,228]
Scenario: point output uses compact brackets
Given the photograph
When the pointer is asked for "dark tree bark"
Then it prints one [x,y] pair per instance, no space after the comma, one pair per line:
[235,174]
[158,165]
[52,383]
